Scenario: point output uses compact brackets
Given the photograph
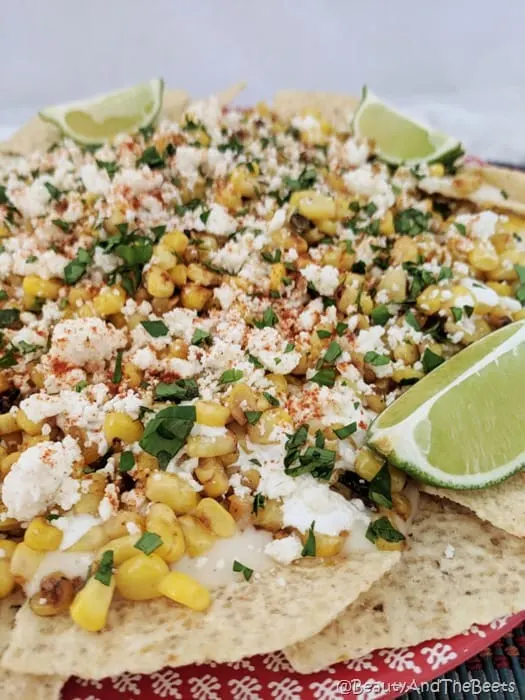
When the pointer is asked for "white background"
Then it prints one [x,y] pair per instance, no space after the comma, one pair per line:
[459,63]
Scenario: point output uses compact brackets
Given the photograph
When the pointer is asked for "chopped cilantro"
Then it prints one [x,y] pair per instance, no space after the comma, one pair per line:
[323,334]
[151,157]
[201,337]
[148,542]
[375,359]
[289,348]
[445,273]
[430,360]
[54,192]
[205,216]
[252,416]
[166,433]
[3,295]
[412,320]
[64,225]
[255,362]
[457,313]
[117,372]
[110,166]
[341,328]
[324,377]
[105,568]
[271,399]
[359,267]
[334,351]
[8,317]
[380,489]
[309,545]
[520,292]
[76,268]
[81,385]
[383,528]
[8,359]
[346,431]
[181,390]
[127,461]
[156,329]
[462,229]
[269,319]
[380,315]
[258,503]
[244,570]
[230,376]
[411,221]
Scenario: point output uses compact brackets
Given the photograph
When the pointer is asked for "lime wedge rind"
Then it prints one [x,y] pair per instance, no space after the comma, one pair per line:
[392,132]
[402,445]
[131,109]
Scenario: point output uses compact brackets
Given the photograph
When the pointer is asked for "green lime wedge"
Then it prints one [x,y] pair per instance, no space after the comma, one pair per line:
[461,426]
[100,118]
[399,139]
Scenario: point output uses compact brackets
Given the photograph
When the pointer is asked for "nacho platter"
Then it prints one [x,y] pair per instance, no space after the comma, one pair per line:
[255,282]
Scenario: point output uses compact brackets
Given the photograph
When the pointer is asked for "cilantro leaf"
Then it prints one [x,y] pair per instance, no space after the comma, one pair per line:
[8,317]
[375,359]
[430,360]
[380,315]
[156,329]
[181,390]
[380,489]
[151,157]
[166,433]
[346,430]
[383,528]
[324,377]
[244,570]
[105,568]
[309,548]
[127,461]
[149,542]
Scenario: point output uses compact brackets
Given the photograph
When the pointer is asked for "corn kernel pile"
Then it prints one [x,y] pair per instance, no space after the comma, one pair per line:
[199,322]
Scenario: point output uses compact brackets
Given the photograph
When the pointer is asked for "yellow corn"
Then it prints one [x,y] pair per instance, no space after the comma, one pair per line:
[277,273]
[270,517]
[199,539]
[215,517]
[316,206]
[90,607]
[170,489]
[116,526]
[262,431]
[430,300]
[8,424]
[211,413]
[26,425]
[241,399]
[327,545]
[93,539]
[164,258]
[24,562]
[185,590]
[118,425]
[398,479]
[42,536]
[210,446]
[201,275]
[402,374]
[394,283]
[212,476]
[7,547]
[194,296]
[138,578]
[7,580]
[109,301]
[123,548]
[162,521]
[159,283]
[175,241]
[132,374]
[179,275]
[367,464]
[35,286]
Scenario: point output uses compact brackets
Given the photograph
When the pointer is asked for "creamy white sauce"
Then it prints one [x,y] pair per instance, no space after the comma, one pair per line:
[215,568]
[74,528]
[71,564]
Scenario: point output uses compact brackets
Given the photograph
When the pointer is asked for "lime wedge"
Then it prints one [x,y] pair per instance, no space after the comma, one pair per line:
[399,139]
[100,118]
[461,426]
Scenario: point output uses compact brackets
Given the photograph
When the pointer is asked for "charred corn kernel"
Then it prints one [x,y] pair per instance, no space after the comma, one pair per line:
[138,578]
[54,597]
[24,562]
[481,329]
[327,545]
[4,382]
[90,606]
[367,464]
[270,517]
[162,521]
[26,425]
[178,348]
[7,462]
[316,206]
[242,181]
[194,296]
[332,257]
[87,310]
[394,283]
[8,424]
[185,590]
[175,241]
[403,374]
[159,283]
[35,286]
[327,226]
[401,505]
[109,300]
[179,275]
[278,271]
[123,548]
[404,250]
[7,580]
[132,374]
[7,547]
[366,303]
[241,399]
[118,425]
[77,295]
[398,479]
[170,489]
[199,539]
[261,432]
[483,256]
[201,275]
[93,540]
[87,504]
[210,446]
[164,258]
[386,546]
[506,271]
[386,225]
[146,463]
[215,517]
[279,381]
[407,353]
[212,476]
[430,300]
[42,536]
[117,525]
[211,413]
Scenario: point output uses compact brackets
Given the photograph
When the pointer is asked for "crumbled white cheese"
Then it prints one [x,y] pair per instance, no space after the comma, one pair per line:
[219,222]
[138,180]
[284,550]
[268,346]
[95,180]
[370,340]
[450,552]
[325,279]
[225,294]
[187,162]
[74,527]
[355,153]
[82,340]
[32,201]
[482,225]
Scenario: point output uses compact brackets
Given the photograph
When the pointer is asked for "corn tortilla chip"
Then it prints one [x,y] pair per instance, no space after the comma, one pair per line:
[502,505]
[428,596]
[282,606]
[21,686]
[334,107]
[230,93]
[174,103]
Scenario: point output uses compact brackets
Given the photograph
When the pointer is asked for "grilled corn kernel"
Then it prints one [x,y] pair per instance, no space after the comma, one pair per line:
[164,258]
[269,517]
[8,424]
[201,275]
[109,301]
[401,505]
[7,462]
[123,548]
[42,536]
[403,374]
[316,206]
[179,275]
[7,580]
[430,300]
[132,374]
[398,479]
[138,578]
[261,432]
[199,539]
[90,606]
[406,352]
[185,590]
[117,525]
[54,597]
[24,562]
[194,296]
[241,399]
[386,225]
[366,303]
[404,250]
[159,283]
[367,464]
[175,241]
[215,517]
[7,547]
[118,425]
[279,381]
[93,539]
[26,425]
[43,289]
[210,446]
[212,476]
[170,489]
[162,521]
[386,546]
[327,545]
[277,273]
[211,413]
[394,283]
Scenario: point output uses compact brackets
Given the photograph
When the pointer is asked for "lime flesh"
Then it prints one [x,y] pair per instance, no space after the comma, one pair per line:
[101,118]
[462,425]
[397,138]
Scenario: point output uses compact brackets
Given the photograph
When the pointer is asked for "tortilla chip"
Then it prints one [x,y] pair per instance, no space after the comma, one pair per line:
[174,103]
[487,187]
[502,505]
[34,135]
[230,93]
[428,596]
[336,108]
[21,686]
[281,607]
